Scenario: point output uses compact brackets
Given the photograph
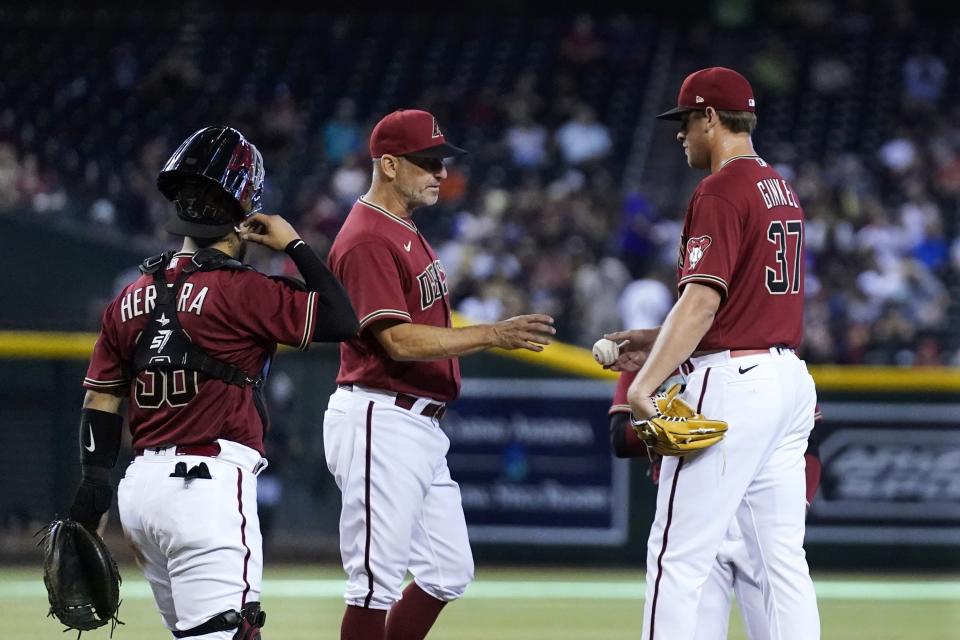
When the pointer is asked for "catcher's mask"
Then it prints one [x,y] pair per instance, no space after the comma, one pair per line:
[215,179]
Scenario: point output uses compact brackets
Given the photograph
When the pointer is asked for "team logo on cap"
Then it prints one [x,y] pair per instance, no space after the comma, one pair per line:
[699,99]
[751,103]
[696,248]
[436,130]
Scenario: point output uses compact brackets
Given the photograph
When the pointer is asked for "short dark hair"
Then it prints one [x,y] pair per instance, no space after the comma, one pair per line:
[203,243]
[738,121]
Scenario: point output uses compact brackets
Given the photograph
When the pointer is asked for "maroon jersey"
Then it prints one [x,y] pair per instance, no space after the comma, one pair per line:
[234,316]
[743,235]
[390,271]
[620,403]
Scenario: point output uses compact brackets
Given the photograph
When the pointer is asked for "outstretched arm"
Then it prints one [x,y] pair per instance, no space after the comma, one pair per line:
[405,341]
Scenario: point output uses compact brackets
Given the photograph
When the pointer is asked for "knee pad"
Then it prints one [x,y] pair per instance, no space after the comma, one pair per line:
[248,622]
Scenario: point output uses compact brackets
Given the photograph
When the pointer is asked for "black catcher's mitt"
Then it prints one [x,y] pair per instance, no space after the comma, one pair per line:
[82,579]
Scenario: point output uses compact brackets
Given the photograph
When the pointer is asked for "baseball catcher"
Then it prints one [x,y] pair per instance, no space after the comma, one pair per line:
[677,429]
[82,580]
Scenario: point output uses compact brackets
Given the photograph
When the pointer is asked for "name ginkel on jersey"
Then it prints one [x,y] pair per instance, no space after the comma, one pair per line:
[743,236]
[223,312]
[390,271]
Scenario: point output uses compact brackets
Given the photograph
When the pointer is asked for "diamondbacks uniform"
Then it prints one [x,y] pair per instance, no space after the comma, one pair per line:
[188,500]
[743,236]
[732,571]
[401,510]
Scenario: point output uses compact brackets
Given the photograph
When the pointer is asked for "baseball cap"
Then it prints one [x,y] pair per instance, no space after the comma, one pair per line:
[411,132]
[718,87]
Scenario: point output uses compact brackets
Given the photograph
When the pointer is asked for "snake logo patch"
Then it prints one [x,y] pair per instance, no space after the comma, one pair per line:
[696,248]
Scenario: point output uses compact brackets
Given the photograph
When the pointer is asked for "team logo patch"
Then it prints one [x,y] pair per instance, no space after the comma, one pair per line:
[436,133]
[696,248]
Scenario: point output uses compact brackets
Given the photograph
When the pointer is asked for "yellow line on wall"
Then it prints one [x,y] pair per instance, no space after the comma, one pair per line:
[46,345]
[559,356]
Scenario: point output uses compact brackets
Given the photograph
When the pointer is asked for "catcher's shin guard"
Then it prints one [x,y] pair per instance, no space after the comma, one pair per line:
[248,622]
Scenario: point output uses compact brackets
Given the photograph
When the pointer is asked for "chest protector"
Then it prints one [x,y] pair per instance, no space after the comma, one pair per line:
[163,344]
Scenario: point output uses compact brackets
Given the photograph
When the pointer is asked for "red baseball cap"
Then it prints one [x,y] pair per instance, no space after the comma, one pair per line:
[410,132]
[718,87]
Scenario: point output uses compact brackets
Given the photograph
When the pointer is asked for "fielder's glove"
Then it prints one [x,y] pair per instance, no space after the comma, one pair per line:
[82,579]
[677,429]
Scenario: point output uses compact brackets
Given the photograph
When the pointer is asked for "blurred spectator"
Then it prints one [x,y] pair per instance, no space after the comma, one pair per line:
[350,180]
[596,289]
[341,134]
[526,139]
[924,76]
[830,74]
[582,138]
[645,302]
[899,154]
[9,176]
[774,69]
[581,45]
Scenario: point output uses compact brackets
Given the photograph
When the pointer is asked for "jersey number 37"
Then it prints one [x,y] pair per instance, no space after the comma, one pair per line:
[785,277]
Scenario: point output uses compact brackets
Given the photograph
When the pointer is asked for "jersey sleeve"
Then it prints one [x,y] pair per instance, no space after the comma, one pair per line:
[712,244]
[620,404]
[374,281]
[106,371]
[276,311]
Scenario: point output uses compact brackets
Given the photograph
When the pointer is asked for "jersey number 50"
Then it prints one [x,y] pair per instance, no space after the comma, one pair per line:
[174,388]
[785,278]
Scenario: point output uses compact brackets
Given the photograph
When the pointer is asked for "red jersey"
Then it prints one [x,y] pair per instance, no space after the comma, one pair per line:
[390,271]
[743,235]
[620,403]
[234,316]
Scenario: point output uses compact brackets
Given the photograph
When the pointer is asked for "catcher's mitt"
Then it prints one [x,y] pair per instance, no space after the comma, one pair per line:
[82,579]
[677,429]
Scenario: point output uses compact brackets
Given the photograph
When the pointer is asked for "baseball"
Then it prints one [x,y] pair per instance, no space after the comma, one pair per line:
[606,351]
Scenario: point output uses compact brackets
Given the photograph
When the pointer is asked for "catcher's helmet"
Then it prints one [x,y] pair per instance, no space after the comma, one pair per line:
[215,179]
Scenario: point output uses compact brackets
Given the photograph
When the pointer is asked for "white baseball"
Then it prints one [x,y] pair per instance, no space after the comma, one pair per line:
[606,351]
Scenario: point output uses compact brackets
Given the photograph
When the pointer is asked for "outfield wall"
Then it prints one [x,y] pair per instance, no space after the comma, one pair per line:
[529,448]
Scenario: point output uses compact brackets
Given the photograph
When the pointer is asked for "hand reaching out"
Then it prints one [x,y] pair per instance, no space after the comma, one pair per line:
[529,332]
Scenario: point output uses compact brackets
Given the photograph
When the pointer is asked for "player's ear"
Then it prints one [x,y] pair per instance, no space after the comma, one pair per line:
[710,116]
[388,165]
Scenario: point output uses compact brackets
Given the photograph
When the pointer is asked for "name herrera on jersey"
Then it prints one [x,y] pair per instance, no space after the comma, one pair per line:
[142,299]
[776,193]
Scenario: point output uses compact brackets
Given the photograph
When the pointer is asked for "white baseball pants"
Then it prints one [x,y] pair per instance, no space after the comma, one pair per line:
[756,475]
[400,509]
[731,573]
[198,541]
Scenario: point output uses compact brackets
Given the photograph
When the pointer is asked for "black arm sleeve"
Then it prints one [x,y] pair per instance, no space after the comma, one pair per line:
[618,434]
[813,443]
[336,319]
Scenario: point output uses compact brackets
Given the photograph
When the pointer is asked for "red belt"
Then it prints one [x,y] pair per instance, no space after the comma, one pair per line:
[211,449]
[736,353]
[407,401]
[686,367]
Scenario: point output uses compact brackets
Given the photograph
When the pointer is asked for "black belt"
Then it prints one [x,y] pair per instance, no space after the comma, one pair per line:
[407,401]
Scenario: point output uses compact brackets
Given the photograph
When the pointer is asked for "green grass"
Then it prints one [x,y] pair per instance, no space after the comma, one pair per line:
[512,604]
